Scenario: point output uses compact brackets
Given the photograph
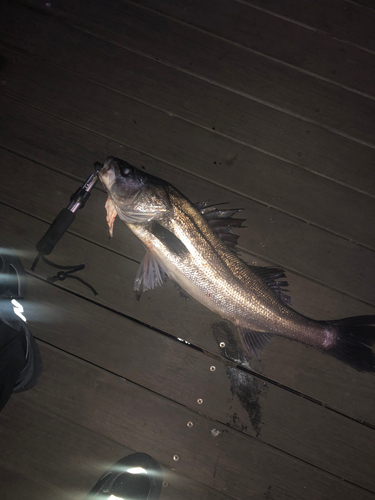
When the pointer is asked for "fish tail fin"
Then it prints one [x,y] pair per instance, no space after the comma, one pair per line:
[354,337]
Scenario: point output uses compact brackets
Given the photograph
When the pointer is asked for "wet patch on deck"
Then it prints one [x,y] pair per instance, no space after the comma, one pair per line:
[243,386]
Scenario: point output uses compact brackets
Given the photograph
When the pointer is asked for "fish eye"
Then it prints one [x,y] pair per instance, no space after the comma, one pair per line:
[125,170]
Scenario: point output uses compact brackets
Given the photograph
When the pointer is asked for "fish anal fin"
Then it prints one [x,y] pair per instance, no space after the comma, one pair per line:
[111,214]
[271,277]
[254,341]
[150,274]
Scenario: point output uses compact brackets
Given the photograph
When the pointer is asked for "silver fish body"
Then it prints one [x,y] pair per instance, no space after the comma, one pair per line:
[181,243]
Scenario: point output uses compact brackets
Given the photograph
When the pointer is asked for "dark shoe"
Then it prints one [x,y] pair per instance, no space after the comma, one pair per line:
[18,349]
[135,477]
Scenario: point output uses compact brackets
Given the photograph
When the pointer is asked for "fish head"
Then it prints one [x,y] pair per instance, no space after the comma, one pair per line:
[137,196]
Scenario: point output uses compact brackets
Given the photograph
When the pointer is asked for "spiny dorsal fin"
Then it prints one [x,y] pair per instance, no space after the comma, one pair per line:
[270,276]
[221,222]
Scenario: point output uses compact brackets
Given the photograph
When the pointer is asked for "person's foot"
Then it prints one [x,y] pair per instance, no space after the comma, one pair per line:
[135,477]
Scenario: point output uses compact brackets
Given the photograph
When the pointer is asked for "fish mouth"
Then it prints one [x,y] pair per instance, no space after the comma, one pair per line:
[114,168]
[102,168]
[107,171]
[98,166]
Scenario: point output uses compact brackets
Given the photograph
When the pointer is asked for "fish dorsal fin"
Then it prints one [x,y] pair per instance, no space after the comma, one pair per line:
[150,274]
[271,276]
[254,341]
[221,222]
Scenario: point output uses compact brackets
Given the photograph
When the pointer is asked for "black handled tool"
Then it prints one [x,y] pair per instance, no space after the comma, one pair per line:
[58,228]
[66,217]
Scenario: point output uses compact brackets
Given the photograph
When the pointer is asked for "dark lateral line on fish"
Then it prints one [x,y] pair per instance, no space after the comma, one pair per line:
[226,362]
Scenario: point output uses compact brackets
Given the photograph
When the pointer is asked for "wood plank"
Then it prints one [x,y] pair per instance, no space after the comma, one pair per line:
[179,372]
[308,296]
[291,43]
[367,3]
[138,419]
[344,389]
[341,19]
[14,485]
[50,456]
[92,409]
[253,124]
[313,253]
[316,300]
[222,63]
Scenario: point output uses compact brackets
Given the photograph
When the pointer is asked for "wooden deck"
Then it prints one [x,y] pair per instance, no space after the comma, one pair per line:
[267,105]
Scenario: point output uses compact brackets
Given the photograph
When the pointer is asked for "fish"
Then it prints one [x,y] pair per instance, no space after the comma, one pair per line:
[194,246]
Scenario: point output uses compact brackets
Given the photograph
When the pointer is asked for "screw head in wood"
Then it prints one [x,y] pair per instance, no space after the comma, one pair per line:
[190,424]
[199,401]
[212,368]
[222,344]
[176,458]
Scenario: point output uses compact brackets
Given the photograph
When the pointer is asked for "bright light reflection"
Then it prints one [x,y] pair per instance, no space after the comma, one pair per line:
[112,497]
[41,312]
[11,278]
[17,252]
[18,310]
[136,470]
[182,340]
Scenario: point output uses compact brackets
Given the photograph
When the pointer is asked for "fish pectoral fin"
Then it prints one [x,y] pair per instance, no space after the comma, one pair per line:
[136,217]
[169,240]
[150,274]
[254,341]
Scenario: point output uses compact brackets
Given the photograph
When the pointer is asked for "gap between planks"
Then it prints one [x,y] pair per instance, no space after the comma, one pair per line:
[260,202]
[210,419]
[262,150]
[257,52]
[247,252]
[269,259]
[189,346]
[312,28]
[205,318]
[214,82]
[231,89]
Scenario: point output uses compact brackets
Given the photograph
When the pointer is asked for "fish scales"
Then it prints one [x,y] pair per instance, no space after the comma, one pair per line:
[224,283]
[181,244]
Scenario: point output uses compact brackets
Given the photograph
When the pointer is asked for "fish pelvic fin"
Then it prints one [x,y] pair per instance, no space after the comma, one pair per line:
[150,274]
[254,341]
[354,336]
